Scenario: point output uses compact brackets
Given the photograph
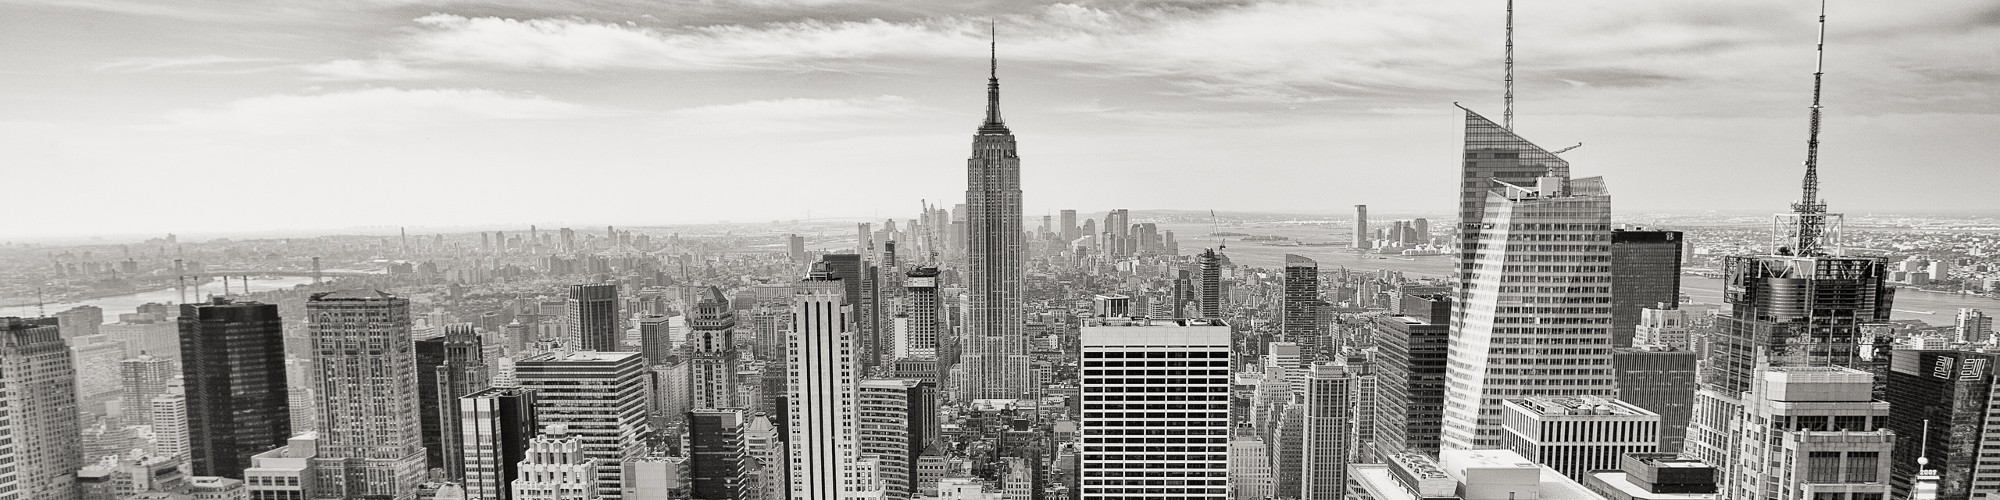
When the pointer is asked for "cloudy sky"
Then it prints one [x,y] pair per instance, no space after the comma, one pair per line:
[144,116]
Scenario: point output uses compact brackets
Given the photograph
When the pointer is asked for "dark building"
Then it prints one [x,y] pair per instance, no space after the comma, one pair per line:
[717,463]
[1661,381]
[448,367]
[233,363]
[1642,476]
[1410,369]
[1300,305]
[1645,272]
[654,342]
[1211,284]
[497,424]
[1798,310]
[593,318]
[1948,391]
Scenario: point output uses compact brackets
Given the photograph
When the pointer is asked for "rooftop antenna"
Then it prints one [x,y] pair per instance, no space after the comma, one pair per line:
[1811,211]
[1510,66]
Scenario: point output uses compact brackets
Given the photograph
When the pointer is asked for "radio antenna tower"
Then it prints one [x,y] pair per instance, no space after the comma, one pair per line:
[1810,209]
[1508,119]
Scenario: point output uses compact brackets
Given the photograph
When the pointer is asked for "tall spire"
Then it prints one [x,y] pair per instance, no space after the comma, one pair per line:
[993,79]
[1509,118]
[1811,211]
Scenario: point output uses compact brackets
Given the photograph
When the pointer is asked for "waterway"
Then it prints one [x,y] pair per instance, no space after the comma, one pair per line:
[119,304]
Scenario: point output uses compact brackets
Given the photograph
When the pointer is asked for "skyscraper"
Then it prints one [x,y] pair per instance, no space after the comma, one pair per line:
[1411,356]
[1660,380]
[1328,411]
[1561,225]
[40,401]
[993,257]
[1361,239]
[233,363]
[1122,415]
[169,420]
[371,444]
[712,356]
[887,433]
[719,463]
[1938,408]
[820,404]
[593,318]
[1068,230]
[448,367]
[1972,325]
[1301,304]
[141,378]
[1211,284]
[1645,272]
[925,310]
[558,466]
[495,425]
[600,398]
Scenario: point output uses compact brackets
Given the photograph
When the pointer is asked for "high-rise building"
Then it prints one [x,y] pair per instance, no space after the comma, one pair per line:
[1821,420]
[919,331]
[1938,408]
[1662,381]
[993,258]
[142,378]
[655,338]
[558,467]
[1361,239]
[371,441]
[795,247]
[1411,351]
[449,366]
[712,357]
[1662,327]
[1119,412]
[1068,230]
[600,398]
[39,431]
[1300,306]
[170,426]
[1578,435]
[1211,284]
[719,462]
[890,431]
[80,321]
[1563,227]
[494,426]
[820,394]
[593,321]
[1250,468]
[1645,272]
[1972,325]
[233,371]
[1493,153]
[1328,406]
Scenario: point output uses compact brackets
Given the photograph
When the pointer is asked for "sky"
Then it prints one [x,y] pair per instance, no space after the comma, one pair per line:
[143,116]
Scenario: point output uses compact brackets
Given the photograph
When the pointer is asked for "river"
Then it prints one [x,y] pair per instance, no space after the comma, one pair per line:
[120,304]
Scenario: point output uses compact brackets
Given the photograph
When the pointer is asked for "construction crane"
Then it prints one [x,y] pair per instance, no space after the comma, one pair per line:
[1215,228]
[1565,150]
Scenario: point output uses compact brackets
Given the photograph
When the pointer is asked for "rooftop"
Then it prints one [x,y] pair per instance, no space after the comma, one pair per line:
[1581,405]
[355,294]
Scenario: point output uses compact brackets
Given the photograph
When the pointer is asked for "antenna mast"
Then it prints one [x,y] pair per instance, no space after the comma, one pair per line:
[1811,211]
[1509,119]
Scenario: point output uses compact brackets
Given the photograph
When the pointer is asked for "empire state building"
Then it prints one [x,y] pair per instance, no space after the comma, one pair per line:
[995,363]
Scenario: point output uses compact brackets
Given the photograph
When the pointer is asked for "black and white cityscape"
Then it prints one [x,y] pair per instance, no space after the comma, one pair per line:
[665,250]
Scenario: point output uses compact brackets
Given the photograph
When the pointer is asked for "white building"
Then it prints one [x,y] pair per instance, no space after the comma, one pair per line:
[1250,469]
[1823,431]
[1578,435]
[285,472]
[820,382]
[1164,380]
[600,397]
[556,469]
[170,426]
[1462,474]
[1539,268]
[1662,327]
[1328,405]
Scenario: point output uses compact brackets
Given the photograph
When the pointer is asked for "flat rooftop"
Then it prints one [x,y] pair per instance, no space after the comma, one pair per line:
[1581,405]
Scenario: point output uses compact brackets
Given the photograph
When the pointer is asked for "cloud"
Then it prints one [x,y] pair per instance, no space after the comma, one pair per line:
[366,69]
[208,63]
[794,115]
[374,110]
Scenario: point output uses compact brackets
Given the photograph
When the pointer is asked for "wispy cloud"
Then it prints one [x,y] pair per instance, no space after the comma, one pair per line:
[374,110]
[206,63]
[795,115]
[367,69]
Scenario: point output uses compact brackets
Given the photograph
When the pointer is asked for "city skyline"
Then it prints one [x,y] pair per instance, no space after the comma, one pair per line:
[425,93]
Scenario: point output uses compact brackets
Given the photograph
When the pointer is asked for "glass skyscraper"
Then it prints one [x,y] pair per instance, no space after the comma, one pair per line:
[233,366]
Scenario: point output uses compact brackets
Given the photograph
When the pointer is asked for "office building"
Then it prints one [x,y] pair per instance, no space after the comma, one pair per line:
[1328,404]
[719,462]
[285,472]
[795,247]
[1661,381]
[656,338]
[852,274]
[1562,226]
[996,355]
[557,468]
[1494,156]
[495,425]
[142,379]
[170,424]
[894,423]
[924,320]
[1938,408]
[1578,435]
[1250,472]
[1821,424]
[1645,272]
[1461,475]
[1972,325]
[80,321]
[712,356]
[1362,241]
[1122,418]
[1411,351]
[600,398]
[820,393]
[234,375]
[39,429]
[1662,327]
[1654,476]
[593,322]
[449,366]
[1210,284]
[1299,317]
[371,444]
[1068,231]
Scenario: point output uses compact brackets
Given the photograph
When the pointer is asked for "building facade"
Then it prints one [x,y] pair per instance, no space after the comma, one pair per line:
[494,427]
[599,398]
[233,370]
[1578,435]
[1184,363]
[592,320]
[371,444]
[1645,272]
